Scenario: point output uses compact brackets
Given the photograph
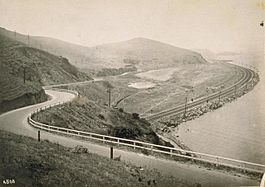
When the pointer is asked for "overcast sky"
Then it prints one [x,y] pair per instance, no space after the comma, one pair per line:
[217,25]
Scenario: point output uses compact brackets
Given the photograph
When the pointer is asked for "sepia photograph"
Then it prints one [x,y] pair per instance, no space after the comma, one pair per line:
[132,93]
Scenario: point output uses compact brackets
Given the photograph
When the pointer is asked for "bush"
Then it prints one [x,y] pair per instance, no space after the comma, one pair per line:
[125,132]
[135,116]
[101,116]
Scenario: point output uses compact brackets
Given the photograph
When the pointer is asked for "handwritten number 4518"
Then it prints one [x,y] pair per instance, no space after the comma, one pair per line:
[9,181]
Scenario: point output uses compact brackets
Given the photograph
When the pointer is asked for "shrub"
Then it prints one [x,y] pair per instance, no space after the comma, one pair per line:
[101,116]
[124,132]
[135,116]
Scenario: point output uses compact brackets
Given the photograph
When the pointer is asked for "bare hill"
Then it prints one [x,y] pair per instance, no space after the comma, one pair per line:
[144,54]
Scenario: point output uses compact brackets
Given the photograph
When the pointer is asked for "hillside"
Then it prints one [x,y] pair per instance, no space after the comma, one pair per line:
[144,54]
[25,69]
[73,52]
[85,115]
[106,59]
[32,163]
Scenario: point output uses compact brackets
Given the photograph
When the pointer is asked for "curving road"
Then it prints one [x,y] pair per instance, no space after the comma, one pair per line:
[16,122]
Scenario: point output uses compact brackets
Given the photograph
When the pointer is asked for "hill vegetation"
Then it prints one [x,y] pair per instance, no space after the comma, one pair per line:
[85,115]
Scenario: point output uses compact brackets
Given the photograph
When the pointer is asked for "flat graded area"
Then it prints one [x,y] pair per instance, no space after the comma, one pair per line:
[171,86]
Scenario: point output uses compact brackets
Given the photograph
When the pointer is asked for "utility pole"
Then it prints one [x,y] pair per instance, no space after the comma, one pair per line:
[207,90]
[185,107]
[109,91]
[38,136]
[24,74]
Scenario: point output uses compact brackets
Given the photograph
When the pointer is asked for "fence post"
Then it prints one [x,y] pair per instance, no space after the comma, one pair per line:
[216,162]
[38,135]
[244,167]
[111,152]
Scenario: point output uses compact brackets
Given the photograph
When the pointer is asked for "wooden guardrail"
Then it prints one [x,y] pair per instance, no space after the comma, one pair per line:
[171,151]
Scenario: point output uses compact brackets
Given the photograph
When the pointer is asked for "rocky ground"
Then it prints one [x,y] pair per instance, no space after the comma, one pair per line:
[169,123]
[175,120]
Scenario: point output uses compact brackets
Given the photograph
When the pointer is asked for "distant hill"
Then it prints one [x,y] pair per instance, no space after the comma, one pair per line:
[18,62]
[143,53]
[140,53]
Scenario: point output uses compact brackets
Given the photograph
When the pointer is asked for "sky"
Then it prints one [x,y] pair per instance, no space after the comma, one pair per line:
[217,25]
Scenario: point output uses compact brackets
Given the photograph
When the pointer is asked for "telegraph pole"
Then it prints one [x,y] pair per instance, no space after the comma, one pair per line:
[24,74]
[109,91]
[207,90]
[185,107]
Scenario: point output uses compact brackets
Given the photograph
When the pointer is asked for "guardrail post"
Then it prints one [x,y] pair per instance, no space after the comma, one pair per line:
[111,152]
[118,142]
[171,151]
[216,162]
[244,167]
[103,139]
[151,148]
[133,145]
[38,136]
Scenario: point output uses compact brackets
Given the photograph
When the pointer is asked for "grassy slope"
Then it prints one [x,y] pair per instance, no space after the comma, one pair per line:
[32,163]
[41,68]
[85,115]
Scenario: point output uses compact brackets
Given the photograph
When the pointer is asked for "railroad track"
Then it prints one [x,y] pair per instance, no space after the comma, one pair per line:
[247,76]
